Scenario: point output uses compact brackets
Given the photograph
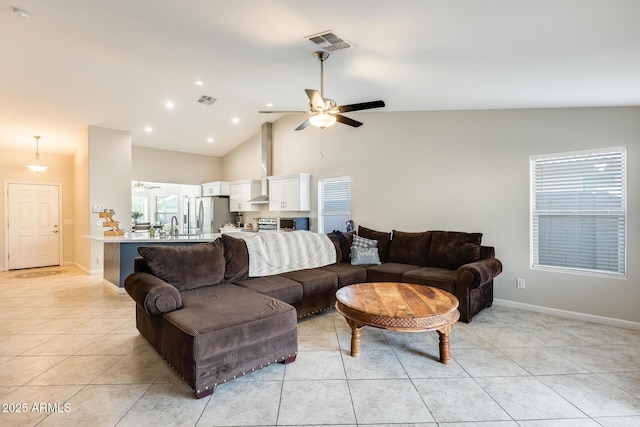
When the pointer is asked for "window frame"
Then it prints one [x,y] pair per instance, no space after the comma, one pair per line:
[533,239]
[321,210]
[157,212]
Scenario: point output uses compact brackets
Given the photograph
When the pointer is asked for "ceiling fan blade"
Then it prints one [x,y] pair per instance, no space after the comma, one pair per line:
[360,106]
[315,98]
[303,125]
[347,121]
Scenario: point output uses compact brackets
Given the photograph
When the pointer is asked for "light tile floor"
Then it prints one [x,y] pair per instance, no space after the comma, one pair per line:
[70,355]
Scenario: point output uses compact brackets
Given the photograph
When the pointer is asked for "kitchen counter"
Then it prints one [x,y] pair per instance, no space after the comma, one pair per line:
[145,238]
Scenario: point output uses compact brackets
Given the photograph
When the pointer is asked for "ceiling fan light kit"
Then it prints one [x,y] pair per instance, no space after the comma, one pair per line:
[322,120]
[36,166]
[325,112]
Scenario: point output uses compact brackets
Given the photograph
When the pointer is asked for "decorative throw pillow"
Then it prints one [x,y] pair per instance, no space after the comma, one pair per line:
[383,240]
[361,242]
[236,258]
[342,242]
[186,267]
[336,246]
[364,255]
[451,249]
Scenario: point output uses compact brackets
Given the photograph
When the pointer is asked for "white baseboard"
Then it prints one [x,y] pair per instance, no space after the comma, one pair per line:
[569,314]
[80,267]
[113,287]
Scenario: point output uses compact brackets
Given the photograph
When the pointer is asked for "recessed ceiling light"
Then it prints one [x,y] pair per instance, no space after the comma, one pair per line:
[235,120]
[21,12]
[199,82]
[148,129]
[210,140]
[269,104]
[169,104]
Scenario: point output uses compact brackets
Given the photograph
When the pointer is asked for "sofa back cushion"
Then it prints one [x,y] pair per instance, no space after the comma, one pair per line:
[409,248]
[384,239]
[451,249]
[186,267]
[236,257]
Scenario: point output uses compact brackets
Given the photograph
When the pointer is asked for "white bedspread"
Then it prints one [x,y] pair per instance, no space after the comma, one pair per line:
[278,252]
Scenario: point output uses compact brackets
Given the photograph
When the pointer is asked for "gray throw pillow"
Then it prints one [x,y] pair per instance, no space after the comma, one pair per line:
[364,256]
[361,242]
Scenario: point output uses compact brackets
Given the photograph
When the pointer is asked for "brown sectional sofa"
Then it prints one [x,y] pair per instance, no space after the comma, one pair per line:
[202,312]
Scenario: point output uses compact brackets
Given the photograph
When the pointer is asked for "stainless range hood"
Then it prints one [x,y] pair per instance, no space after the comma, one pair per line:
[266,143]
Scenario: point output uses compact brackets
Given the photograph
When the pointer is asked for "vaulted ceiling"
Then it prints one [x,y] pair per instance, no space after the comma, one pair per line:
[117,63]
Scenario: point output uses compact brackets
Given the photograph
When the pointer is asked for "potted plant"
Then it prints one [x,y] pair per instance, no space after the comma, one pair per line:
[135,216]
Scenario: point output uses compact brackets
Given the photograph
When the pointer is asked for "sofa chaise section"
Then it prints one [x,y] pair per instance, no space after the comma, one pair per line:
[208,330]
[224,332]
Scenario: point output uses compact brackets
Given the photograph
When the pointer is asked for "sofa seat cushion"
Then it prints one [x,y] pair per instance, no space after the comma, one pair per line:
[314,281]
[219,319]
[388,272]
[186,267]
[451,249]
[440,278]
[409,248]
[347,274]
[277,287]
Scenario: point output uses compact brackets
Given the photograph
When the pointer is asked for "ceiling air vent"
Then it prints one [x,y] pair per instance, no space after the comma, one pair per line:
[328,41]
[207,100]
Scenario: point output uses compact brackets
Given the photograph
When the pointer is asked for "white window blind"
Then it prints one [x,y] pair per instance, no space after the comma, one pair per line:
[334,203]
[578,215]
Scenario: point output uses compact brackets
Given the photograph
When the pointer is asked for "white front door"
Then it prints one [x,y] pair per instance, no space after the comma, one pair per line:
[34,229]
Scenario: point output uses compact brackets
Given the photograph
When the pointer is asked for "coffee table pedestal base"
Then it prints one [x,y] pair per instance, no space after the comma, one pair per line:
[356,330]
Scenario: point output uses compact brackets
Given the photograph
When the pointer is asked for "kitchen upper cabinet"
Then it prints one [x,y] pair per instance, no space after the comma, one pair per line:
[217,188]
[290,192]
[240,192]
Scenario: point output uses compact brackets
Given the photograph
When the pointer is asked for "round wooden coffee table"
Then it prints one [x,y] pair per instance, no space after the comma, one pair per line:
[398,307]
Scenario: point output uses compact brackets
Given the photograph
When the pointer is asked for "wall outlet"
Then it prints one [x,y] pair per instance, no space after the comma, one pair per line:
[97,209]
[520,283]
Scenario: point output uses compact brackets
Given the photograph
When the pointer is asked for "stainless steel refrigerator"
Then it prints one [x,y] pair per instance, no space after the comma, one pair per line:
[207,214]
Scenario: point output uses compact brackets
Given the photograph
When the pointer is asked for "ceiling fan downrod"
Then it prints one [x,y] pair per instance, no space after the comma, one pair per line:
[322,56]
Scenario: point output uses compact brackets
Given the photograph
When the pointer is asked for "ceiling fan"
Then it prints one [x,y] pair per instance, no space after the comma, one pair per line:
[325,112]
[139,186]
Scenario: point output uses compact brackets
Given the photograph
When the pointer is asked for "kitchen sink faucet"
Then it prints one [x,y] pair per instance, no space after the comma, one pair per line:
[174,229]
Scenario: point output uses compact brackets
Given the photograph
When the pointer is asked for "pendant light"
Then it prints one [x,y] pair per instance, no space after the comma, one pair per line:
[36,166]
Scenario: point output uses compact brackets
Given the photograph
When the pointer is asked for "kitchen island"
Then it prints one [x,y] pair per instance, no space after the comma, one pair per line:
[120,252]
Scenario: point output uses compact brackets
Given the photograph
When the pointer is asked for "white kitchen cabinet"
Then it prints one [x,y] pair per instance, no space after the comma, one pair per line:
[290,192]
[240,192]
[217,188]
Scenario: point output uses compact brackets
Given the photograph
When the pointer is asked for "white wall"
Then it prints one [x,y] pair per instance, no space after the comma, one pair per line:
[467,171]
[81,205]
[109,183]
[150,164]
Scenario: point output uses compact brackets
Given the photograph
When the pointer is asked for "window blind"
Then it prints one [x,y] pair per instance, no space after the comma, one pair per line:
[334,203]
[578,219]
